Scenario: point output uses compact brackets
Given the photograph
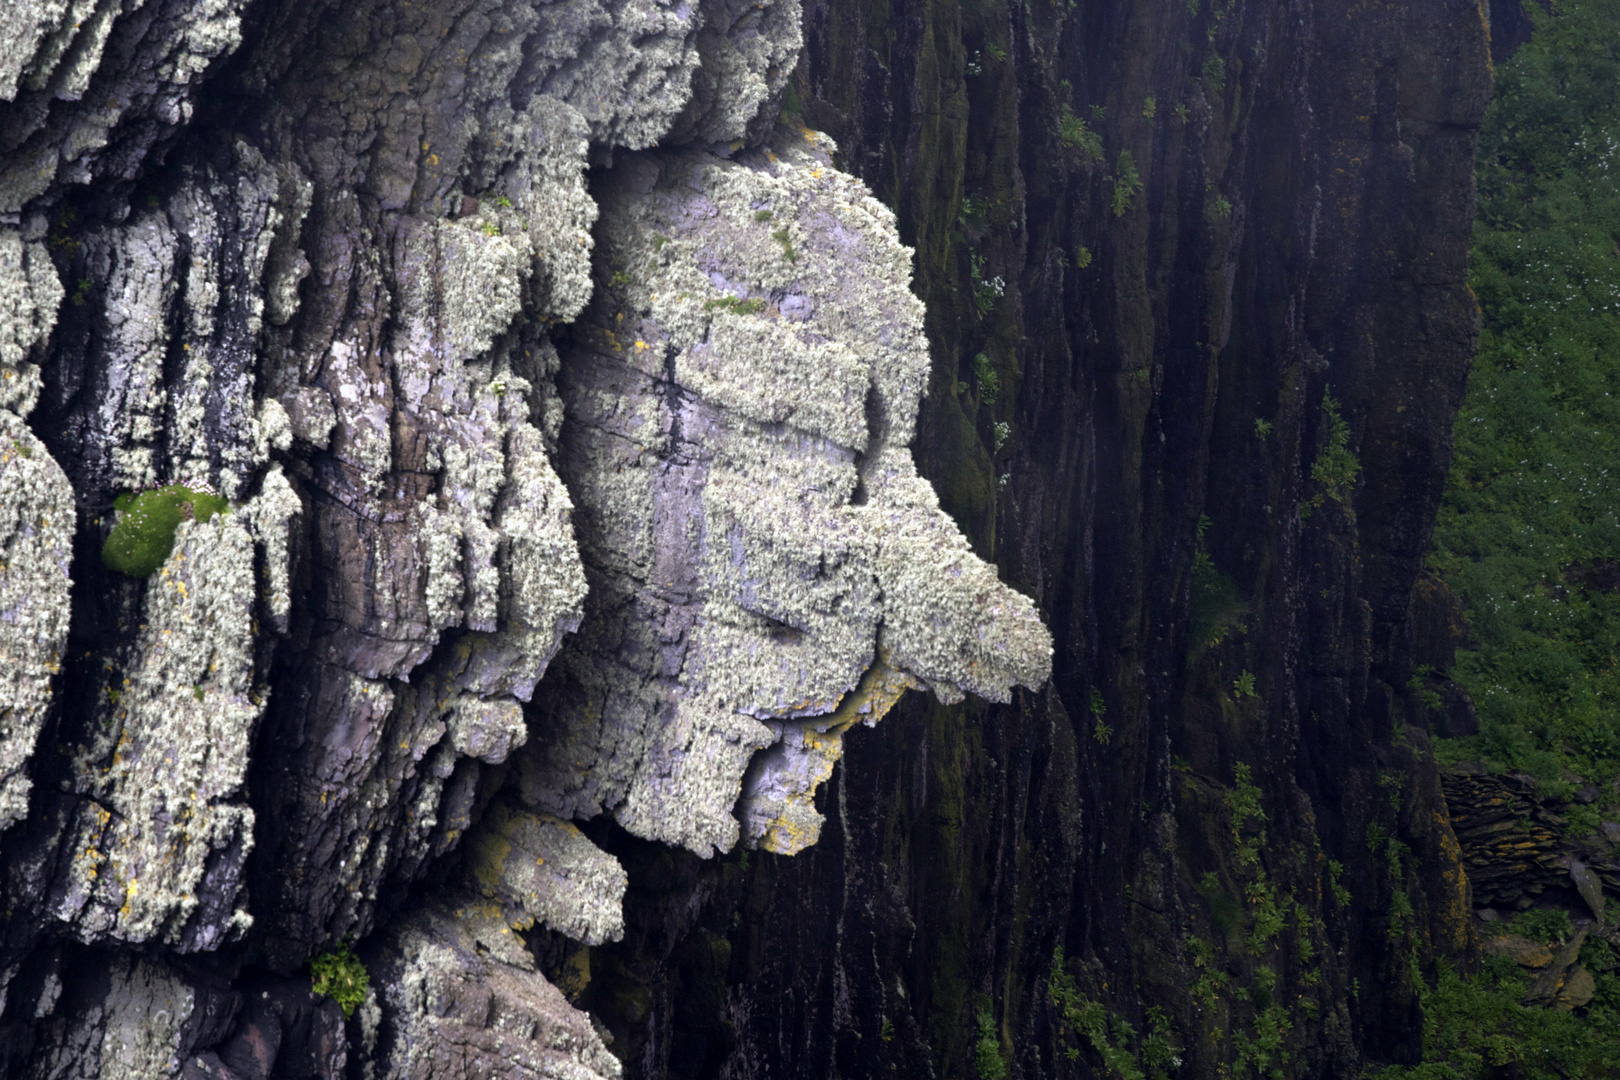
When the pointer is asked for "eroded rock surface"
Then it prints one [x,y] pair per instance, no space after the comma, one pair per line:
[741,398]
[317,259]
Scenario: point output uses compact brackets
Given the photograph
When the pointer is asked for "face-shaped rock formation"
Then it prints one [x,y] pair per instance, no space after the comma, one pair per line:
[766,567]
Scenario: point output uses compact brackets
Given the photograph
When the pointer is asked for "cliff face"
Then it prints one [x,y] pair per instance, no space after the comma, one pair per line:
[1195,288]
[563,404]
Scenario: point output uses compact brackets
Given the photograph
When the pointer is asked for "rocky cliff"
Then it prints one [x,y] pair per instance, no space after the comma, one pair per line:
[471,470]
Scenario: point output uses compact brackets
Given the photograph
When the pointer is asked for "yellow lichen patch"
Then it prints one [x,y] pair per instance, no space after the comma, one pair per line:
[793,823]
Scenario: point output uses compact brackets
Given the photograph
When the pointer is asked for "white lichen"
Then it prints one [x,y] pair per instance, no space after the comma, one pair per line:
[757,526]
[180,717]
[36,546]
[457,985]
[540,868]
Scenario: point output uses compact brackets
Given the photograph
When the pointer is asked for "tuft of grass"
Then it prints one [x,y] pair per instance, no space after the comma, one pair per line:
[751,306]
[143,536]
[781,237]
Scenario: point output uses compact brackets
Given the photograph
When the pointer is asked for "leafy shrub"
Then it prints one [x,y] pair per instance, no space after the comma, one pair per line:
[341,976]
[143,536]
[987,1051]
[984,371]
[1124,1056]
[1073,133]
[1550,926]
[1127,183]
[1336,467]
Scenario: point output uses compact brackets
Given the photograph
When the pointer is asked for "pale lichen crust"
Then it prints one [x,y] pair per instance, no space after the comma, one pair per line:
[741,395]
[460,992]
[540,868]
[36,548]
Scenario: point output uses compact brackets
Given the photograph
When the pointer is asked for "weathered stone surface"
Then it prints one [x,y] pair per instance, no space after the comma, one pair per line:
[91,87]
[462,999]
[740,400]
[321,257]
[36,529]
[542,869]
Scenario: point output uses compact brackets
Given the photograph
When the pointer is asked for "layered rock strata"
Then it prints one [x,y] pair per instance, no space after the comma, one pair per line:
[319,260]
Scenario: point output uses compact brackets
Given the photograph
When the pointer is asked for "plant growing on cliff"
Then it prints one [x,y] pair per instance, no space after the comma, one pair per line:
[340,975]
[1336,467]
[1114,1038]
[1127,183]
[987,1050]
[984,371]
[751,306]
[1074,133]
[143,536]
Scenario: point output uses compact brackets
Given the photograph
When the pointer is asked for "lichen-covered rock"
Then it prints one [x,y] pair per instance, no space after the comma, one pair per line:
[159,846]
[740,402]
[461,1000]
[29,296]
[120,1016]
[36,547]
[777,807]
[543,869]
[91,86]
[748,50]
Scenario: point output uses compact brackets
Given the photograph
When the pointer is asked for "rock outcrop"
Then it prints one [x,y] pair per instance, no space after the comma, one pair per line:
[340,267]
[592,473]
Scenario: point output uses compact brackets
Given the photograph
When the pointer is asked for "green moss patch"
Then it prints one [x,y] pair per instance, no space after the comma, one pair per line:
[341,976]
[143,535]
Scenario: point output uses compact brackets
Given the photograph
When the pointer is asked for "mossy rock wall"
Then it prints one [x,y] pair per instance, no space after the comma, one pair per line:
[1170,365]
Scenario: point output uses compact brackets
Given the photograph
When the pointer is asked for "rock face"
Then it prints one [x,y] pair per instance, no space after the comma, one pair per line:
[319,261]
[592,469]
[740,404]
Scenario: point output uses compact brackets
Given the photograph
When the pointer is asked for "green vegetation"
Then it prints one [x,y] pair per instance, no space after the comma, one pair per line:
[1528,527]
[751,306]
[1336,467]
[1530,520]
[1102,731]
[1127,183]
[1478,1027]
[341,976]
[1124,1056]
[781,237]
[987,1051]
[984,370]
[1243,685]
[143,536]
[1076,135]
